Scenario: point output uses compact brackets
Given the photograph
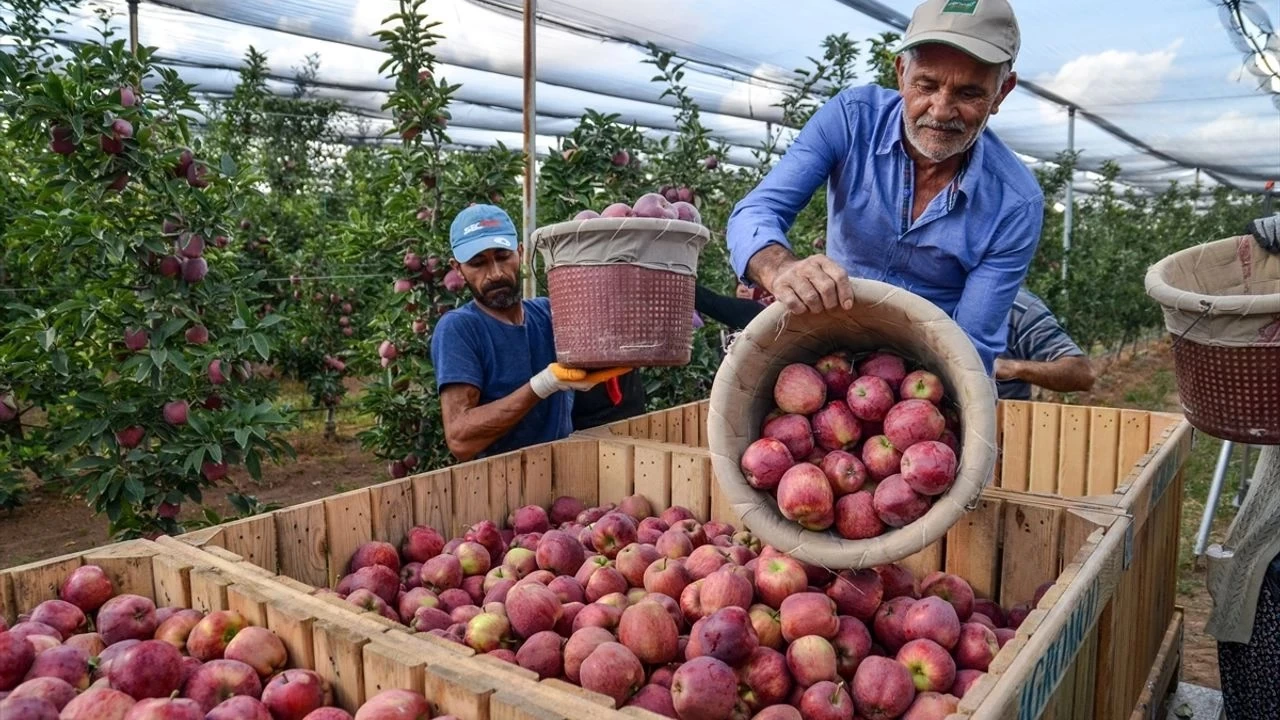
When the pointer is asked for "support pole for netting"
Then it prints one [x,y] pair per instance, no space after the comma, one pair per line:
[1067,213]
[530,143]
[133,26]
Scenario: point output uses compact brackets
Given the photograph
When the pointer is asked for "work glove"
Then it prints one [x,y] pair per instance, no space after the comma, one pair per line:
[558,378]
[1267,232]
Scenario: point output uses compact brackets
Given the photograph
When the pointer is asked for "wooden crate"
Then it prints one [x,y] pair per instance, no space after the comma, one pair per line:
[1007,547]
[358,653]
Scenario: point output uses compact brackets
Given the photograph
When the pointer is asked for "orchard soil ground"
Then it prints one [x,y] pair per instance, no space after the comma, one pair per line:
[51,523]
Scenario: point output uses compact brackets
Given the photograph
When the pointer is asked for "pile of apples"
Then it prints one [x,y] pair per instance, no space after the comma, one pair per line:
[691,620]
[856,446]
[648,205]
[92,654]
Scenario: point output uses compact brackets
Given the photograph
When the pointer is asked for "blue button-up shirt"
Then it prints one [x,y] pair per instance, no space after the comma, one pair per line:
[968,252]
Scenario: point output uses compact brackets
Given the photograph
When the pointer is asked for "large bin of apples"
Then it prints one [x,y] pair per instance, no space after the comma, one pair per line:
[850,439]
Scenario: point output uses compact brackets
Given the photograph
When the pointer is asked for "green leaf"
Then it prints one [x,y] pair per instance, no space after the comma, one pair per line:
[242,437]
[260,344]
[227,165]
[46,338]
[252,463]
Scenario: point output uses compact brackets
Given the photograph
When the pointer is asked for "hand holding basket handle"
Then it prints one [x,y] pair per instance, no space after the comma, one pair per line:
[558,378]
[1267,232]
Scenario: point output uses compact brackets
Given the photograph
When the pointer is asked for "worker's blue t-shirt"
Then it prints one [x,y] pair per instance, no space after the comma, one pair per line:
[472,347]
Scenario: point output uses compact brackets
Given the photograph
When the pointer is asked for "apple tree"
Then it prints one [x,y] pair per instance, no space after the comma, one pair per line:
[136,336]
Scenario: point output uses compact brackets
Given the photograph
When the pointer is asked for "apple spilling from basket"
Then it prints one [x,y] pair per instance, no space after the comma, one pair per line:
[649,205]
[93,654]
[861,446]
[691,620]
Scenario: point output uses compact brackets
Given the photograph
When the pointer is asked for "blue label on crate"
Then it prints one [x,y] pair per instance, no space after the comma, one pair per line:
[1168,469]
[1051,666]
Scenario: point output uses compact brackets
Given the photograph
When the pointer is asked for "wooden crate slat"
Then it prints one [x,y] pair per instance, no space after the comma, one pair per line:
[293,624]
[1135,440]
[675,426]
[653,476]
[506,484]
[208,590]
[470,496]
[348,525]
[927,560]
[1031,551]
[391,505]
[658,426]
[36,582]
[1015,466]
[615,470]
[1073,452]
[251,604]
[1043,463]
[302,543]
[691,426]
[975,547]
[340,661]
[171,577]
[703,408]
[253,539]
[691,483]
[1104,447]
[537,476]
[433,500]
[576,465]
[128,564]
[388,667]
[721,510]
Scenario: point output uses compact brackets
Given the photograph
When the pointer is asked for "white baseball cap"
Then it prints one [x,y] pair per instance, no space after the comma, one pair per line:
[985,29]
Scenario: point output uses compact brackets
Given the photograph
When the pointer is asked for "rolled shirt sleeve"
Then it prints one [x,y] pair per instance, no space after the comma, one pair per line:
[767,212]
[989,291]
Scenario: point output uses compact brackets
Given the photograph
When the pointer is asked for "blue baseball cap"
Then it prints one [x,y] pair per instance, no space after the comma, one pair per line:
[479,228]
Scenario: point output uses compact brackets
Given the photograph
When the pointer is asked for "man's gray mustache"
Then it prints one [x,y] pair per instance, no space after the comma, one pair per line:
[955,125]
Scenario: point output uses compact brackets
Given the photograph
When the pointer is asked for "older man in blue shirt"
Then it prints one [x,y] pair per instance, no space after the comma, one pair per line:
[920,193]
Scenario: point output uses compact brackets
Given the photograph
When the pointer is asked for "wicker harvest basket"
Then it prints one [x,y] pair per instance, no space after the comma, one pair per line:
[621,290]
[883,317]
[1221,303]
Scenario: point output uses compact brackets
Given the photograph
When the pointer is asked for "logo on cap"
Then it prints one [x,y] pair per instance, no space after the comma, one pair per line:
[968,7]
[486,223]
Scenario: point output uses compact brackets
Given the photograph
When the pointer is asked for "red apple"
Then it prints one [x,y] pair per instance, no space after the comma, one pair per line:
[869,398]
[218,680]
[965,679]
[88,587]
[792,430]
[648,630]
[888,622]
[898,581]
[125,617]
[375,552]
[880,457]
[857,593]
[530,518]
[826,700]
[177,628]
[844,471]
[395,704]
[150,669]
[764,462]
[258,648]
[897,504]
[209,638]
[932,706]
[295,693]
[239,707]
[726,634]
[779,577]
[805,497]
[61,615]
[542,653]
[882,688]
[811,659]
[613,532]
[952,588]
[976,648]
[932,669]
[929,467]
[990,609]
[98,703]
[856,517]
[1004,635]
[808,613]
[932,618]
[885,365]
[837,373]
[921,385]
[560,553]
[473,558]
[767,622]
[799,389]
[565,508]
[704,689]
[913,421]
[580,645]
[532,608]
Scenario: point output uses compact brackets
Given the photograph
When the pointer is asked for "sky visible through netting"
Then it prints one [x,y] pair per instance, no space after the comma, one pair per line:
[1171,90]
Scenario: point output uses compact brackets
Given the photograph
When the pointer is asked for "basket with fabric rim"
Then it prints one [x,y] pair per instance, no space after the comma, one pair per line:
[884,317]
[1221,304]
[622,290]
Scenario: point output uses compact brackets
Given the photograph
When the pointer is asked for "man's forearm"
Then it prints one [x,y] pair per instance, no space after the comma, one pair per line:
[765,265]
[1068,374]
[479,427]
